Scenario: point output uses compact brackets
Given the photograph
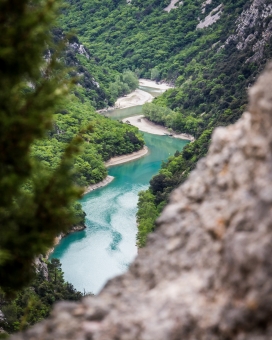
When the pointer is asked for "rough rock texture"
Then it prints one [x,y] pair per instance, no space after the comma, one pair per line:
[204,5]
[206,274]
[173,4]
[75,228]
[254,29]
[211,18]
[41,267]
[80,49]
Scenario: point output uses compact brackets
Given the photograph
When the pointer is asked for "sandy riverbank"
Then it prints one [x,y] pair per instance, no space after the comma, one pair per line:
[115,161]
[145,125]
[101,184]
[127,158]
[137,97]
[155,85]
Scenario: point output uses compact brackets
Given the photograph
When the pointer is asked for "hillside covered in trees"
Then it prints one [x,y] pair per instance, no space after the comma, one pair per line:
[211,91]
[34,303]
[211,65]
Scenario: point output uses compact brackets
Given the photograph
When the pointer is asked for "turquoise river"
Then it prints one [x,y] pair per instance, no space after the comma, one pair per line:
[108,245]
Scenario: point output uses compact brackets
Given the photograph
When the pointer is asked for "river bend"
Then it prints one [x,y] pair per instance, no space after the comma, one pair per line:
[108,245]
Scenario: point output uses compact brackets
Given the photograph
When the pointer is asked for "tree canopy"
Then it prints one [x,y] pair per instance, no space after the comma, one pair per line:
[30,90]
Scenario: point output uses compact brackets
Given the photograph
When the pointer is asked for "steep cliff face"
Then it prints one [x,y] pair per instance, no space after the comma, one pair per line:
[41,267]
[207,272]
[77,56]
[253,29]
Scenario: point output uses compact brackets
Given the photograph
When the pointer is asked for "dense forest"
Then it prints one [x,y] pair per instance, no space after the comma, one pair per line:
[210,91]
[34,303]
[103,139]
[100,85]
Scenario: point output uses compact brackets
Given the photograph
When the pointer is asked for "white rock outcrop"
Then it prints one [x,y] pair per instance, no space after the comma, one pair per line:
[173,4]
[211,18]
[253,29]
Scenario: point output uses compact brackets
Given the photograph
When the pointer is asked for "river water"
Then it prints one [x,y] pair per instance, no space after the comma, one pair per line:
[108,245]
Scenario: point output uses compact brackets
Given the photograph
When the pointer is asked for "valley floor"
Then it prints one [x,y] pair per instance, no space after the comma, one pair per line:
[153,84]
[137,97]
[140,97]
[145,125]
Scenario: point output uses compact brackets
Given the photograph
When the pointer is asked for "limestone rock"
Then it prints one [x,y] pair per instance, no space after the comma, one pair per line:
[173,4]
[206,274]
[211,18]
[253,29]
[41,267]
[80,49]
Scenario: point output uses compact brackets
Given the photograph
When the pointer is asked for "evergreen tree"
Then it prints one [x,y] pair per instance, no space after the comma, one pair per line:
[34,202]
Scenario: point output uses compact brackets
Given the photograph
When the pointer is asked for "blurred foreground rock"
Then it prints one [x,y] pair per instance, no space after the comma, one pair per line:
[206,273]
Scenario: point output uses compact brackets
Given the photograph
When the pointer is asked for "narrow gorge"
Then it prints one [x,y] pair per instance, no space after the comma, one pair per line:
[108,245]
[177,176]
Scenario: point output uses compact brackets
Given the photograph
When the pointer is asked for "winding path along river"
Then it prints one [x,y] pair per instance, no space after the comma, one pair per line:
[107,246]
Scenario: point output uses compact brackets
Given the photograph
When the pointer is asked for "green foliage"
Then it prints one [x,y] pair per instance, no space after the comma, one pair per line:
[37,163]
[172,119]
[82,68]
[172,174]
[124,84]
[155,74]
[105,139]
[35,302]
[30,90]
[147,213]
[140,35]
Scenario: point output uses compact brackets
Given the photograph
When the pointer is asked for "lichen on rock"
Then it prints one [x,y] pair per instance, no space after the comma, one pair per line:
[206,272]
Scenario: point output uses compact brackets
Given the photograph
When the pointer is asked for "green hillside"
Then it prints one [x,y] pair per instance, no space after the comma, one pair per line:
[35,302]
[211,67]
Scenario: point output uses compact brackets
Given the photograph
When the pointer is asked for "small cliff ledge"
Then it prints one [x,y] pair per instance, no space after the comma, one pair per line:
[206,273]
